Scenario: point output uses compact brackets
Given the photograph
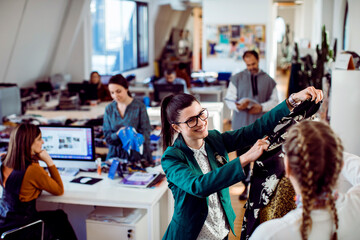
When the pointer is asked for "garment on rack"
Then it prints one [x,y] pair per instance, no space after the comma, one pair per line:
[269,171]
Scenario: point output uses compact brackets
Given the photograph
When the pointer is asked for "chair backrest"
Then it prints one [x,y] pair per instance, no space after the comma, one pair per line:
[29,231]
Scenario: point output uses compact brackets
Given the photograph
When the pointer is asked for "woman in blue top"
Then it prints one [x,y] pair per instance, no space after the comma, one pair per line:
[125,111]
[197,165]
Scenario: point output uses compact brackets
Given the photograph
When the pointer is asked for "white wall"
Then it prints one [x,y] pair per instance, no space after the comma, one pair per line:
[338,22]
[354,20]
[237,12]
[47,37]
[353,24]
[29,31]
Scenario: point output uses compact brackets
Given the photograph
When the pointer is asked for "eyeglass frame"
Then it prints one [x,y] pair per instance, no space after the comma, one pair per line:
[196,117]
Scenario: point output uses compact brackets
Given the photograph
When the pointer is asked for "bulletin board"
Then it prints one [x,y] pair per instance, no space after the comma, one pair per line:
[231,41]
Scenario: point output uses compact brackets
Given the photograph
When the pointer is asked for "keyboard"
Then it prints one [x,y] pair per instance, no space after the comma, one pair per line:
[68,171]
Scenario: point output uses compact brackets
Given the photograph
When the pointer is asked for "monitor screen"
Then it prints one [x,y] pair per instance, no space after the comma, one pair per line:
[10,100]
[69,144]
[86,91]
[162,90]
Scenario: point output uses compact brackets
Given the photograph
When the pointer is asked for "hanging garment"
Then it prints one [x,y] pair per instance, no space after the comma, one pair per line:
[268,175]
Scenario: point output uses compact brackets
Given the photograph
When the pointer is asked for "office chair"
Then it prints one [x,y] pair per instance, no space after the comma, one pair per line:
[19,232]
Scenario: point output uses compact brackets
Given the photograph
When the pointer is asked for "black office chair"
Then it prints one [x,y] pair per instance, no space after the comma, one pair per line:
[31,231]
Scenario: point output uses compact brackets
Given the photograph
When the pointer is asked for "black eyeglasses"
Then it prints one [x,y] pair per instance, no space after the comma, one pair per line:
[193,121]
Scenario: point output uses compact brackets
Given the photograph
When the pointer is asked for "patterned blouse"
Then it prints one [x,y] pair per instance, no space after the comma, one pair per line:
[215,226]
[135,116]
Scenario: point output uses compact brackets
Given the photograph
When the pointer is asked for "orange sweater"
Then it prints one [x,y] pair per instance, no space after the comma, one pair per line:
[37,179]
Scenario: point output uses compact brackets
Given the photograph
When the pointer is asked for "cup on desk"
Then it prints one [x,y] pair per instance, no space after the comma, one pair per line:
[93,102]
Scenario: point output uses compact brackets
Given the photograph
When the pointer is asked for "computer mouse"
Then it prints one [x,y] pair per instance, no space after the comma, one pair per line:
[85,179]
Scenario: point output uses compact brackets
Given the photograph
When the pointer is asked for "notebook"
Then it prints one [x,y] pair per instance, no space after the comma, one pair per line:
[140,179]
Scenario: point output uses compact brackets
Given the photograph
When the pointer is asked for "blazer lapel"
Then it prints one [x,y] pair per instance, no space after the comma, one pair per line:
[180,143]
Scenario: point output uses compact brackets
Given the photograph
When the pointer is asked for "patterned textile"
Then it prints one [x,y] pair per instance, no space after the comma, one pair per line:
[215,226]
[281,203]
[268,171]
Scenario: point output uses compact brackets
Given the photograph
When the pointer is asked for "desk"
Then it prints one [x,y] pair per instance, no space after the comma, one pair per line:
[109,193]
[208,93]
[203,94]
[215,113]
[141,89]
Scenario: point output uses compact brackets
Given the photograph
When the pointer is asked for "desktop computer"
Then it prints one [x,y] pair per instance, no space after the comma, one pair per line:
[10,100]
[85,91]
[162,90]
[70,146]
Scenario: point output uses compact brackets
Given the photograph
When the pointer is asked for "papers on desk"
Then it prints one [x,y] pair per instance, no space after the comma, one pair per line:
[232,103]
[141,179]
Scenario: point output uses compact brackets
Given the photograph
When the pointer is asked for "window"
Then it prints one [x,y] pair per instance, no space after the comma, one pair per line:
[120,35]
[280,29]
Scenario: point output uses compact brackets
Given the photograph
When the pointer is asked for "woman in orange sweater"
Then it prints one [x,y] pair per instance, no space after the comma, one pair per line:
[23,179]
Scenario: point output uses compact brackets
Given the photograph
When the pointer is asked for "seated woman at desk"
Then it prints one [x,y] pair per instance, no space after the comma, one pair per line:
[23,180]
[197,167]
[103,92]
[123,112]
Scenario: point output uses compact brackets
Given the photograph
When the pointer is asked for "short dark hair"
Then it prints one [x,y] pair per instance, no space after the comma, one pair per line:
[251,52]
[95,72]
[169,70]
[120,80]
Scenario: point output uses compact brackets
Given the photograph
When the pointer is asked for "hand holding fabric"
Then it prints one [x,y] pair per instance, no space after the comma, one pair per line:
[254,152]
[309,92]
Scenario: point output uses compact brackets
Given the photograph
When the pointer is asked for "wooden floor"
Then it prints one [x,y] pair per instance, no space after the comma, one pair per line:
[282,80]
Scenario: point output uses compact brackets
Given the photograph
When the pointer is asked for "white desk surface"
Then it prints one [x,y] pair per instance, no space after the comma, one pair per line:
[156,201]
[106,192]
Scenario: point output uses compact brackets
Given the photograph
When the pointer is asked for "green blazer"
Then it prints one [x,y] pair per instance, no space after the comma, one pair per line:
[191,188]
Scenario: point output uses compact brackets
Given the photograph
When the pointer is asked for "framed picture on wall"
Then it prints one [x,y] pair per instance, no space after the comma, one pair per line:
[232,40]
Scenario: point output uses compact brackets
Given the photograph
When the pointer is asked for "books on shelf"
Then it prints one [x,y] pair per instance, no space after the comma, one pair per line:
[141,179]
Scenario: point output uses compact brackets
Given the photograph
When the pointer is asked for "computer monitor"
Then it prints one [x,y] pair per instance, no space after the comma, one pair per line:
[86,91]
[10,100]
[162,90]
[70,146]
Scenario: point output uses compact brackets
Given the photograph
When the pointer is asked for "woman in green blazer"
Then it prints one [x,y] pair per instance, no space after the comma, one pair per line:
[195,167]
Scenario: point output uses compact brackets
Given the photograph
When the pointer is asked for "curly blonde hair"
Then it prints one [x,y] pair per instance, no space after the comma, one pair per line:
[315,157]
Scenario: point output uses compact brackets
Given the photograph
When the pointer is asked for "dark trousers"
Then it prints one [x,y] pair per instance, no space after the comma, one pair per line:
[57,225]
